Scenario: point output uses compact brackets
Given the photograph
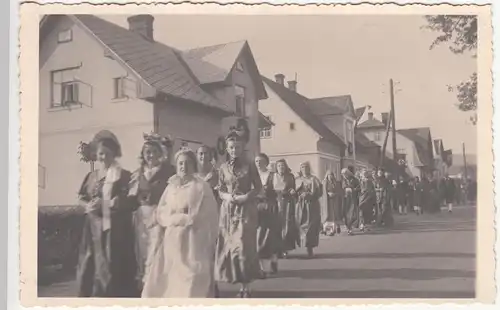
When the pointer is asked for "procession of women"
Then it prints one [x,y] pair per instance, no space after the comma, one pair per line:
[178,230]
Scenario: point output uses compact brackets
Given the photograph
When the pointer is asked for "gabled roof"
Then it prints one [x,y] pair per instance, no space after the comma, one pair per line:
[264,122]
[299,104]
[371,123]
[333,105]
[359,113]
[421,139]
[363,140]
[212,64]
[163,68]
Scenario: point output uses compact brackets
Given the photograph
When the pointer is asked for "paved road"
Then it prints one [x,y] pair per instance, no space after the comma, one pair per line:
[429,256]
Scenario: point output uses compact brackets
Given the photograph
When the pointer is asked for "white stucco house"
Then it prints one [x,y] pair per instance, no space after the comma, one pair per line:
[414,145]
[319,130]
[96,75]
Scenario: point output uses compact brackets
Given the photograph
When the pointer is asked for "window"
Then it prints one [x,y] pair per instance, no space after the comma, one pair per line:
[292,126]
[239,66]
[266,133]
[240,101]
[118,86]
[65,36]
[65,87]
[377,136]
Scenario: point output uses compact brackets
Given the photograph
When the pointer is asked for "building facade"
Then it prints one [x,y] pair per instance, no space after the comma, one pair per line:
[95,75]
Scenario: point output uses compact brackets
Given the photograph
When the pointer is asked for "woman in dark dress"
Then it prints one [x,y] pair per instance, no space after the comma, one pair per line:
[146,187]
[309,191]
[106,266]
[332,214]
[268,231]
[418,196]
[367,200]
[383,189]
[351,199]
[236,259]
[284,186]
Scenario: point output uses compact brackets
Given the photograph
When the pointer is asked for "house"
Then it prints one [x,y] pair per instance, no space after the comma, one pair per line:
[96,75]
[414,146]
[299,134]
[440,163]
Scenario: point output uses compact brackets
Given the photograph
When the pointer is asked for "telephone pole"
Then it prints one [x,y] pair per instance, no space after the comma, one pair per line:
[393,121]
[465,161]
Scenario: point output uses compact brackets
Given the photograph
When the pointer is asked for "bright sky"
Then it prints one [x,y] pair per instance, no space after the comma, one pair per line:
[338,54]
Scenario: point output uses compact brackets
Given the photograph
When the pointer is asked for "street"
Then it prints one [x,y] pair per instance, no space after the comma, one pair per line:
[428,256]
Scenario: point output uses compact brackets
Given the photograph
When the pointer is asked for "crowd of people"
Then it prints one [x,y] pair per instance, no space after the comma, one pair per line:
[177,230]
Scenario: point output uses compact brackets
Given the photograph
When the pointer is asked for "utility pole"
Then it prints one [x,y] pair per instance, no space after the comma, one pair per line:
[465,161]
[393,121]
[384,147]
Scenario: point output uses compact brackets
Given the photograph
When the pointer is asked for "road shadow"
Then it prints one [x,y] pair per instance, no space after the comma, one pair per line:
[396,273]
[358,294]
[392,255]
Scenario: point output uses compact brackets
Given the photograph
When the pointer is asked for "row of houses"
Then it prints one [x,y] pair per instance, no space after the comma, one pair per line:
[95,75]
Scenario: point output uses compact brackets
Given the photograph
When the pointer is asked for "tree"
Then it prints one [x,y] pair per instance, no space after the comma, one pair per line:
[460,33]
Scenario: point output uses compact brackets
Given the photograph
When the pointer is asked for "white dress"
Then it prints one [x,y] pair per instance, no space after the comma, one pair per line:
[183,265]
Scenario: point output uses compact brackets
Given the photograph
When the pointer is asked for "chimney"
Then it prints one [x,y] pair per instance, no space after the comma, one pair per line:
[370,116]
[292,85]
[142,24]
[280,78]
[385,118]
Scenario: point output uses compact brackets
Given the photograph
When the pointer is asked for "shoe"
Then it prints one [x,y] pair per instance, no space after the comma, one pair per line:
[262,275]
[349,232]
[246,294]
[274,267]
[284,255]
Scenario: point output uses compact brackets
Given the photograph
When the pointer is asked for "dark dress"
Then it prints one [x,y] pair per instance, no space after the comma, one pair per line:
[449,190]
[384,209]
[332,210]
[351,202]
[434,205]
[367,201]
[286,210]
[236,259]
[268,231]
[144,196]
[309,191]
[106,266]
[418,194]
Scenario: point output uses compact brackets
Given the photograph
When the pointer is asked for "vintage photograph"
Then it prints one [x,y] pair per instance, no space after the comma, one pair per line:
[257,156]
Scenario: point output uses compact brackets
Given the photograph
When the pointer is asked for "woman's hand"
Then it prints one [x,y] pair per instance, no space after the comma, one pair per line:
[227,197]
[239,199]
[330,194]
[113,203]
[292,191]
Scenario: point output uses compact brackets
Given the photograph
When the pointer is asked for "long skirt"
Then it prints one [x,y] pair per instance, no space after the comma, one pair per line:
[384,213]
[106,265]
[268,231]
[287,223]
[351,209]
[366,208]
[334,212]
[145,239]
[236,258]
[309,221]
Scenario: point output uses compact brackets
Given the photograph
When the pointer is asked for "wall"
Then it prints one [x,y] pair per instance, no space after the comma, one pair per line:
[283,141]
[184,122]
[402,143]
[62,129]
[337,124]
[226,94]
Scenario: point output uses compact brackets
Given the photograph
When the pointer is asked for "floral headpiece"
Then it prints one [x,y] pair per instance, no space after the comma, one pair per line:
[158,139]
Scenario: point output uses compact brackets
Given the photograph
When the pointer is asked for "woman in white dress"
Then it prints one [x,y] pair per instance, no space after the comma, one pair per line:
[183,264]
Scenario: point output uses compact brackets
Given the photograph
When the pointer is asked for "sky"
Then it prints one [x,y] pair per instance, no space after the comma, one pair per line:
[355,55]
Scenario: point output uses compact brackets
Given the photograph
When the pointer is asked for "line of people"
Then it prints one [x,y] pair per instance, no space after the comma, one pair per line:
[165,231]
[175,231]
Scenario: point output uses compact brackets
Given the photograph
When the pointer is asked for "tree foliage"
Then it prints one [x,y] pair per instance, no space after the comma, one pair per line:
[459,32]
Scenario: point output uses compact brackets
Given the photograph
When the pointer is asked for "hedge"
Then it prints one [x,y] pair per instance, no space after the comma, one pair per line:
[59,233]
